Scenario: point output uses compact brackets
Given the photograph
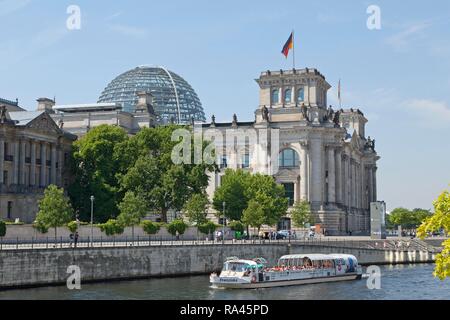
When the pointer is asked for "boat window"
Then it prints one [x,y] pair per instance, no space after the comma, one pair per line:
[236,267]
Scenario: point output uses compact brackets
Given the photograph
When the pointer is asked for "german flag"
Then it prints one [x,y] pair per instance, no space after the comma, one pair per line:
[288,45]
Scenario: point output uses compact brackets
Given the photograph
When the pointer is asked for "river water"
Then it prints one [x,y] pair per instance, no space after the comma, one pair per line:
[401,282]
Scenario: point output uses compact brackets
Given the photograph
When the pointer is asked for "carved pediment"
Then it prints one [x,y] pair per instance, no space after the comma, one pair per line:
[44,123]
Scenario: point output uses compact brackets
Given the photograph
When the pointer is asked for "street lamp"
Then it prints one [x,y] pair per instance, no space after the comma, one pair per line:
[92,221]
[223,223]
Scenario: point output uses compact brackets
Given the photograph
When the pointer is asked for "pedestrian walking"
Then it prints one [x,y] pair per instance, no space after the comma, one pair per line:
[75,238]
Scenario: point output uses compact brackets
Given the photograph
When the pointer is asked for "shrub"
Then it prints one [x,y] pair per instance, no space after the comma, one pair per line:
[237,226]
[150,227]
[177,225]
[72,226]
[2,228]
[112,227]
[42,228]
[207,227]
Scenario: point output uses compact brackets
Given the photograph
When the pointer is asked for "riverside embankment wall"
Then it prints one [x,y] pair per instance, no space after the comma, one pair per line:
[41,267]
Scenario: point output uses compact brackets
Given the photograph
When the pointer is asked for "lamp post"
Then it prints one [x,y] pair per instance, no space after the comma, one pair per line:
[92,221]
[223,224]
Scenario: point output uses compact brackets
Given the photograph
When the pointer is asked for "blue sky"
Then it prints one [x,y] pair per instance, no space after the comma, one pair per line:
[398,76]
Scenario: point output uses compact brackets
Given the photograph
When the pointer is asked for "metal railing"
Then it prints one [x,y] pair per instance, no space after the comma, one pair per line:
[150,241]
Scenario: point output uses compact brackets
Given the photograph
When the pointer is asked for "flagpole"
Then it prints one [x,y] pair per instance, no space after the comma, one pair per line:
[293,50]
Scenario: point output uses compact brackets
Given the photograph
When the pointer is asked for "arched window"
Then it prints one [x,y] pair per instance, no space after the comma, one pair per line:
[275,96]
[301,95]
[288,158]
[287,96]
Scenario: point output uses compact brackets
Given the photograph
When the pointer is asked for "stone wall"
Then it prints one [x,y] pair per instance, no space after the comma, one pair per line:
[48,267]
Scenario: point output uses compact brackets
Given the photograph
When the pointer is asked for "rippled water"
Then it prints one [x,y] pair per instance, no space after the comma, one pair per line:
[397,282]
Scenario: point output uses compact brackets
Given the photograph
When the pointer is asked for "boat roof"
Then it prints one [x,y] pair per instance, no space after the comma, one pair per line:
[249,262]
[317,256]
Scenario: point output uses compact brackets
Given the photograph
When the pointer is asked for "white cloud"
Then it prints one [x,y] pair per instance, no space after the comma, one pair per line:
[128,31]
[431,113]
[408,35]
[10,6]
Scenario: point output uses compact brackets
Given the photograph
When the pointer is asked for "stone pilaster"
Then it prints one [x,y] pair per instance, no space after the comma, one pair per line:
[15,148]
[33,163]
[339,175]
[331,176]
[43,181]
[60,166]
[304,172]
[23,148]
[316,172]
[2,159]
[53,164]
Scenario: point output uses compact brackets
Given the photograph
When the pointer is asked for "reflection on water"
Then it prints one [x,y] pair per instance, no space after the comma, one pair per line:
[397,282]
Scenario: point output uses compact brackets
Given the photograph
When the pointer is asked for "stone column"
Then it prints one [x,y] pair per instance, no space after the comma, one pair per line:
[331,176]
[15,148]
[22,162]
[344,181]
[303,172]
[53,164]
[60,166]
[33,163]
[43,164]
[375,184]
[316,172]
[338,175]
[2,159]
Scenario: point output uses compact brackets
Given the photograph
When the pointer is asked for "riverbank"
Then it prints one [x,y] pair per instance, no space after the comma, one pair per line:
[43,267]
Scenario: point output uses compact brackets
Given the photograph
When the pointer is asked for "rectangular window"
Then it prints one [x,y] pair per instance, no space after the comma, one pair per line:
[223,162]
[289,192]
[5,177]
[246,161]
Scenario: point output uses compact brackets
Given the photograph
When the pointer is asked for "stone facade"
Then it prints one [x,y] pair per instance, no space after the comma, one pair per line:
[320,155]
[34,153]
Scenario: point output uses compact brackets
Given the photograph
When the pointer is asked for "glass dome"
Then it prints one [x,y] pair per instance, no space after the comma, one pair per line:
[173,98]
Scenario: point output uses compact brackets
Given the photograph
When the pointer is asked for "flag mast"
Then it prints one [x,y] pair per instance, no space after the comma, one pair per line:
[293,50]
[339,94]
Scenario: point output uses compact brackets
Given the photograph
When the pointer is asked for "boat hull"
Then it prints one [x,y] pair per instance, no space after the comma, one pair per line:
[283,283]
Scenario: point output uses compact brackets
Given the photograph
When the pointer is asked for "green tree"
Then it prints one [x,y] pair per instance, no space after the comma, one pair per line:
[132,209]
[195,208]
[254,215]
[112,227]
[72,226]
[177,226]
[232,191]
[162,183]
[407,219]
[2,228]
[237,226]
[301,214]
[440,220]
[97,161]
[270,195]
[150,227]
[207,227]
[54,209]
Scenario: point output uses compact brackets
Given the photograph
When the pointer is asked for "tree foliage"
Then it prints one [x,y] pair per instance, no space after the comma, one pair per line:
[150,227]
[132,209]
[97,160]
[237,226]
[175,226]
[207,227]
[54,209]
[195,208]
[254,214]
[112,227]
[301,214]
[72,226]
[238,188]
[440,220]
[407,219]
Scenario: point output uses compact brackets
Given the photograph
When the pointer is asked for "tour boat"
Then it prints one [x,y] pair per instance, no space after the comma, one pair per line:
[291,270]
